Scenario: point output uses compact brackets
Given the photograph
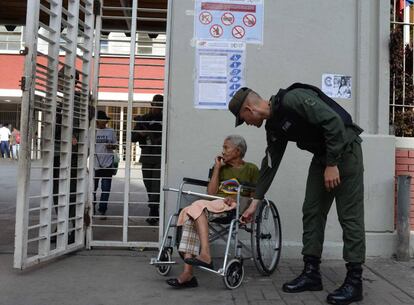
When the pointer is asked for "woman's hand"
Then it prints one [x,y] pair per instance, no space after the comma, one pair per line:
[218,162]
[229,201]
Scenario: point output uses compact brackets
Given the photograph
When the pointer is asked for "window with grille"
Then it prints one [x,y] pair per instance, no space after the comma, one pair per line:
[10,41]
[401,68]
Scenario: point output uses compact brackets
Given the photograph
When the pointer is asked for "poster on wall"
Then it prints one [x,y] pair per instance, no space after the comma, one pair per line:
[337,86]
[219,73]
[230,20]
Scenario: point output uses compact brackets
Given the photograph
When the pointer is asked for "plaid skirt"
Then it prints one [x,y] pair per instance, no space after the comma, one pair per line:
[190,242]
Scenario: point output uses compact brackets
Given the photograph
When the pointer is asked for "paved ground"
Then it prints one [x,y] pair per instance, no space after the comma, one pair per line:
[8,169]
[109,277]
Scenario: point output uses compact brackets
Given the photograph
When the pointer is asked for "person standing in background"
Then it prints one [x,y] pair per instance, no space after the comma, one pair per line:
[4,141]
[148,133]
[104,160]
[15,143]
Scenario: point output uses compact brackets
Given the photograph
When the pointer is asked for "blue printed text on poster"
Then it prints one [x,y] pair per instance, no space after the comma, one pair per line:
[219,73]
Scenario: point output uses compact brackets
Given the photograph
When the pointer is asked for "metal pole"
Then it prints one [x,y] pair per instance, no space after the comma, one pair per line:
[48,131]
[22,199]
[403,217]
[82,199]
[132,52]
[92,134]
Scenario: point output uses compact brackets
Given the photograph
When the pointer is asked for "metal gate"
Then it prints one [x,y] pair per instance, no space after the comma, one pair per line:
[56,196]
[52,179]
[120,214]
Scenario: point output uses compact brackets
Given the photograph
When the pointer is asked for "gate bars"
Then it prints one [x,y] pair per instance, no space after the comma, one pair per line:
[54,126]
[124,224]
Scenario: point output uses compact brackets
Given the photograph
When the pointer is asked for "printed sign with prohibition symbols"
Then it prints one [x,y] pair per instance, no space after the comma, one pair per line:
[205,18]
[238,32]
[249,20]
[216,30]
[227,18]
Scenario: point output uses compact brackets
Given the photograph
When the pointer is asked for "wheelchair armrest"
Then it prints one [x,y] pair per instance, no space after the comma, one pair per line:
[195,181]
[248,186]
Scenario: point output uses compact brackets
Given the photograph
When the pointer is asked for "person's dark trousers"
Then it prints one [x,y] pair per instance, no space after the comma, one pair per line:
[72,189]
[105,175]
[151,174]
[73,186]
[4,147]
[309,280]
[351,290]
[349,197]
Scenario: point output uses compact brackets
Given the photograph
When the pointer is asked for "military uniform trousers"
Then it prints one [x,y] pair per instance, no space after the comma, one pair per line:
[151,174]
[349,197]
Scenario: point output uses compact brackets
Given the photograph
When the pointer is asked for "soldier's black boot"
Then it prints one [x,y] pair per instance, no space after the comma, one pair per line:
[309,279]
[351,289]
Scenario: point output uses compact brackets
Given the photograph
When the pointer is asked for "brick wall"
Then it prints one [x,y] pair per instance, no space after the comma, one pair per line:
[404,165]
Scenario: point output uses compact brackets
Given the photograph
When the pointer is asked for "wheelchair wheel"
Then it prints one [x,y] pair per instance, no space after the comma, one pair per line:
[266,238]
[165,257]
[234,274]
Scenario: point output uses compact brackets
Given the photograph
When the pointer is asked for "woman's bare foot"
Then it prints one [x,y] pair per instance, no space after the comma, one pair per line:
[206,258]
[184,277]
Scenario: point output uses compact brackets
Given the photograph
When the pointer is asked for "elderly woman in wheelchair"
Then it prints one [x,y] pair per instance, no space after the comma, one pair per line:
[231,180]
[229,168]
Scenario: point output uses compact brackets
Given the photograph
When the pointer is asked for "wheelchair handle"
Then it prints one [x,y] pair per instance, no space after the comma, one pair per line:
[170,189]
[195,181]
[191,193]
[248,186]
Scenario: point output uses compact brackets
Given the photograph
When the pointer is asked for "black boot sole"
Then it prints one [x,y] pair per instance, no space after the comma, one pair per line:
[313,288]
[338,302]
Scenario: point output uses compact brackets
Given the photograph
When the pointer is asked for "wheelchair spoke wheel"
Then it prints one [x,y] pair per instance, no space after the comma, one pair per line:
[266,238]
[165,257]
[234,274]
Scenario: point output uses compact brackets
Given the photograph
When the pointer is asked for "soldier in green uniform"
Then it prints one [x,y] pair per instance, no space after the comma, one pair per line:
[303,114]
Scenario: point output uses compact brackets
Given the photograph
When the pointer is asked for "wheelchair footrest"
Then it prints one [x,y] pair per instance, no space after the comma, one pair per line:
[156,262]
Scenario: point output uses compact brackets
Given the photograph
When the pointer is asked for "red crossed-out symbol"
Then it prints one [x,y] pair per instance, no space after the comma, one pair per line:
[205,18]
[238,32]
[216,30]
[249,20]
[227,18]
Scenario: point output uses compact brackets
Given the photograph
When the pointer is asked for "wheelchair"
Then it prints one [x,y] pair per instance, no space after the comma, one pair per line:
[265,235]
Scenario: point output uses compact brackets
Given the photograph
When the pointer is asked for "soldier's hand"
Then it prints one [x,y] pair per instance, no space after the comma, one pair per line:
[332,178]
[247,216]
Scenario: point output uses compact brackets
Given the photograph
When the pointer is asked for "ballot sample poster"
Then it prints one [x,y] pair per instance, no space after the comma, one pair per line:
[219,73]
[337,86]
[230,20]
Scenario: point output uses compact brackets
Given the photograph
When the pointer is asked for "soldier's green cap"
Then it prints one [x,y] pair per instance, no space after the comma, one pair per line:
[237,102]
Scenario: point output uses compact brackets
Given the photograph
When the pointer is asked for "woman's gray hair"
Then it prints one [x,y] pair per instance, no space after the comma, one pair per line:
[239,142]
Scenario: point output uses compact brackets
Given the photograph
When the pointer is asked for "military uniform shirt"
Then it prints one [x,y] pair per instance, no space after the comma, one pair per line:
[308,121]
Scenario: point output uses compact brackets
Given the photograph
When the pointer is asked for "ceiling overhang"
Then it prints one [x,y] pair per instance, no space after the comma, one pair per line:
[13,13]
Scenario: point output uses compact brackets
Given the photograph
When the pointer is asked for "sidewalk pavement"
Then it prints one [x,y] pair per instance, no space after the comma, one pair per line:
[124,277]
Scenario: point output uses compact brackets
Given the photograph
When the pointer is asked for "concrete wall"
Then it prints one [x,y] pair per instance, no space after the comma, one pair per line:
[302,40]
